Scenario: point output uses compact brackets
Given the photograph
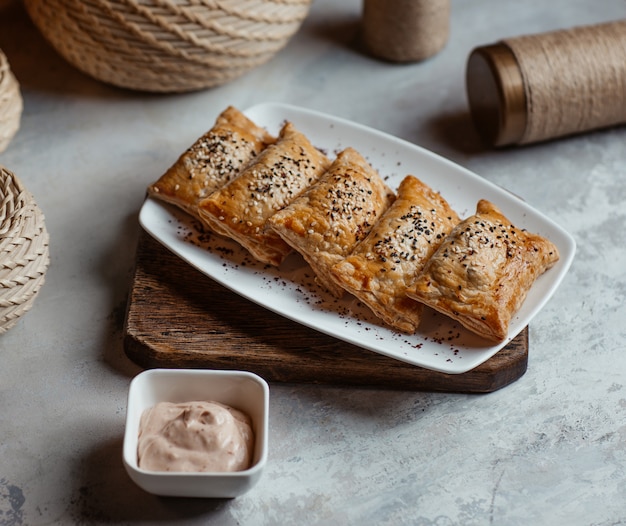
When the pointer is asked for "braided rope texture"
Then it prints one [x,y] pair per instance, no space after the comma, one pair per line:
[24,256]
[167,45]
[11,103]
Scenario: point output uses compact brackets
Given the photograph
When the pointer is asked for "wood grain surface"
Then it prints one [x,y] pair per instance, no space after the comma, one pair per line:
[179,318]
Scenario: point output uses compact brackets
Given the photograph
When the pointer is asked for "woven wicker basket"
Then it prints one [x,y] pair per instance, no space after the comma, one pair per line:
[24,254]
[167,45]
[11,104]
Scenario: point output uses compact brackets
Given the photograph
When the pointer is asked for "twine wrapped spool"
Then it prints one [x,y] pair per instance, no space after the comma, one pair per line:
[167,45]
[11,103]
[540,87]
[24,254]
[405,30]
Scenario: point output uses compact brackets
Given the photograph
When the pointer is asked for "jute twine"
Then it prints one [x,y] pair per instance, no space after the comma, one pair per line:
[167,45]
[24,254]
[575,79]
[405,30]
[11,104]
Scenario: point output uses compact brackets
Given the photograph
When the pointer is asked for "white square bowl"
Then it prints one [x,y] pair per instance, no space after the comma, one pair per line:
[239,389]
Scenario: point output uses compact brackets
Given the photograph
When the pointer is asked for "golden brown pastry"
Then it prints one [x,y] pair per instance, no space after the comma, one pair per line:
[270,182]
[212,161]
[482,272]
[325,222]
[383,266]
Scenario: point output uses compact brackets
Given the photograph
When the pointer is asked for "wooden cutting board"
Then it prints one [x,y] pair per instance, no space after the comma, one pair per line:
[177,317]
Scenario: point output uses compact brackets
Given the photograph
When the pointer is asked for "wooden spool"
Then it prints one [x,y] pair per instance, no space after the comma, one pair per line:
[539,87]
[405,30]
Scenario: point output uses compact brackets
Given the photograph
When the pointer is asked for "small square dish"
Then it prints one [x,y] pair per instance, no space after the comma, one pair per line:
[241,390]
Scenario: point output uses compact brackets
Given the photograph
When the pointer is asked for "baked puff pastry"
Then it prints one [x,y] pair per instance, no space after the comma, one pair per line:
[482,272]
[212,161]
[383,266]
[280,173]
[331,217]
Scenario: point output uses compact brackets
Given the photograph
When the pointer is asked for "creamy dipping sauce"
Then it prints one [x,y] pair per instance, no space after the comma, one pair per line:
[194,436]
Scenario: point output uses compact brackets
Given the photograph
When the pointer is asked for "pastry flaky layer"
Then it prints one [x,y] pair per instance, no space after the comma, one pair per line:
[482,272]
[274,178]
[333,215]
[211,161]
[385,264]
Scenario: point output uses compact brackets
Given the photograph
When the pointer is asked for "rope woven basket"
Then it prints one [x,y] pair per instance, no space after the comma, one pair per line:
[24,256]
[167,45]
[10,103]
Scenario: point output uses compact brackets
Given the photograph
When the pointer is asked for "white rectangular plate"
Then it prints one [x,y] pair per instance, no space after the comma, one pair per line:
[440,343]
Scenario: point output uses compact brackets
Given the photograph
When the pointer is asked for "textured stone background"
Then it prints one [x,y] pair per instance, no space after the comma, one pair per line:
[548,449]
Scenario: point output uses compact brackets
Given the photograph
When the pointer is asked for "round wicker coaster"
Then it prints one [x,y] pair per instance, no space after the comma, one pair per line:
[24,256]
[10,103]
[167,45]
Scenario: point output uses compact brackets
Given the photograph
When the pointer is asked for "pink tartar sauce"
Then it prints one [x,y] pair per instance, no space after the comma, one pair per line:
[194,436]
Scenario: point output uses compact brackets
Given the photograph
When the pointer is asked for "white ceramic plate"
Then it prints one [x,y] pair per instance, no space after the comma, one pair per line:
[440,343]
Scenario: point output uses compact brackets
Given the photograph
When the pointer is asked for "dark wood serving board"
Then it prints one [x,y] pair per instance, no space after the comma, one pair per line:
[177,317]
